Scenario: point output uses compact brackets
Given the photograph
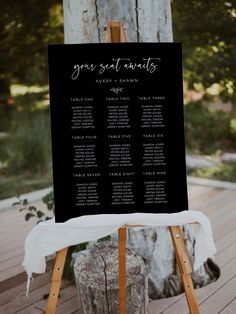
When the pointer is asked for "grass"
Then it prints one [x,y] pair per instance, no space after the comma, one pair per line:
[208,131]
[222,172]
[25,153]
[23,183]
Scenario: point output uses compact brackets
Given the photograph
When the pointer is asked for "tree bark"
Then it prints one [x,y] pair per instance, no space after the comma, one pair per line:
[97,280]
[145,21]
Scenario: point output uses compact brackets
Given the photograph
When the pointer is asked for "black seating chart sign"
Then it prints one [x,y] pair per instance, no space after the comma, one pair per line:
[117,128]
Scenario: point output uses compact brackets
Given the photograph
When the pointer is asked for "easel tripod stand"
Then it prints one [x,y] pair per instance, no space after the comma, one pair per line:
[114,34]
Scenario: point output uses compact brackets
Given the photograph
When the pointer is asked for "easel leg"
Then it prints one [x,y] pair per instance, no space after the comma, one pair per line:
[185,268]
[56,281]
[122,269]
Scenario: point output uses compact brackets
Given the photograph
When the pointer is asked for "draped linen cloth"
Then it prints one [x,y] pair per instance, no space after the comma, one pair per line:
[48,237]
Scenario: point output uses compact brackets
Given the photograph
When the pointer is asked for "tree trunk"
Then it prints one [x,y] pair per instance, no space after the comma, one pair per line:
[97,280]
[145,21]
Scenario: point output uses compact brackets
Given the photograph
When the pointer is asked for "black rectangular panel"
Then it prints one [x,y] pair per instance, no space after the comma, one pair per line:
[117,128]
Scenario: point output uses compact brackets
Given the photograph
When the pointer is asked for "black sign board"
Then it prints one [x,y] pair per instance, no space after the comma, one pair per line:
[117,128]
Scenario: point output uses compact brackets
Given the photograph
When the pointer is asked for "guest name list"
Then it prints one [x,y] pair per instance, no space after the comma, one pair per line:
[117,129]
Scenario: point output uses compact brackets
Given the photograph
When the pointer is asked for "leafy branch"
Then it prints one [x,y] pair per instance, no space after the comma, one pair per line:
[32,211]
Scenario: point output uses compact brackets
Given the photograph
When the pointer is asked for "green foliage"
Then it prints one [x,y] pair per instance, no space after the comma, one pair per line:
[12,184]
[25,147]
[29,144]
[222,171]
[28,101]
[26,29]
[33,212]
[207,30]
[6,118]
[48,200]
[208,130]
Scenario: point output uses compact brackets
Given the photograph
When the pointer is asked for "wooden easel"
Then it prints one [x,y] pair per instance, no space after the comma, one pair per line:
[115,33]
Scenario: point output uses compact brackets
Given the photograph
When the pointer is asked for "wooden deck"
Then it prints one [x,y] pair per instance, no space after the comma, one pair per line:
[220,297]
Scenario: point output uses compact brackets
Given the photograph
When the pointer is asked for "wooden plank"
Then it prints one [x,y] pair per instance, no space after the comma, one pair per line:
[20,238]
[9,214]
[198,192]
[157,306]
[214,202]
[224,215]
[203,198]
[222,211]
[21,301]
[13,281]
[220,231]
[12,262]
[226,255]
[11,272]
[230,308]
[65,294]
[217,301]
[12,245]
[21,223]
[9,295]
[202,294]
[214,205]
[68,307]
[11,253]
[30,310]
[21,227]
[225,241]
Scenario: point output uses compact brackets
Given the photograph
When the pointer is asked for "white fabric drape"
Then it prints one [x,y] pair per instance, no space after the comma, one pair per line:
[48,237]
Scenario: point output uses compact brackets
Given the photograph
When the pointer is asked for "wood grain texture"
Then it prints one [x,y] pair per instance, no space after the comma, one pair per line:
[122,10]
[56,280]
[155,22]
[80,21]
[145,21]
[96,272]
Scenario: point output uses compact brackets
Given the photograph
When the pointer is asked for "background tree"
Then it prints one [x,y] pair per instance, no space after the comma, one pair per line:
[207,30]
[26,29]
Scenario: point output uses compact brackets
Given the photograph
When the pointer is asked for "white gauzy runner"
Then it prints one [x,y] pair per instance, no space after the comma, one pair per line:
[48,237]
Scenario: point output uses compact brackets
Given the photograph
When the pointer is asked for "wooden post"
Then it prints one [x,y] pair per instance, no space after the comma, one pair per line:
[185,267]
[115,32]
[122,269]
[56,281]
